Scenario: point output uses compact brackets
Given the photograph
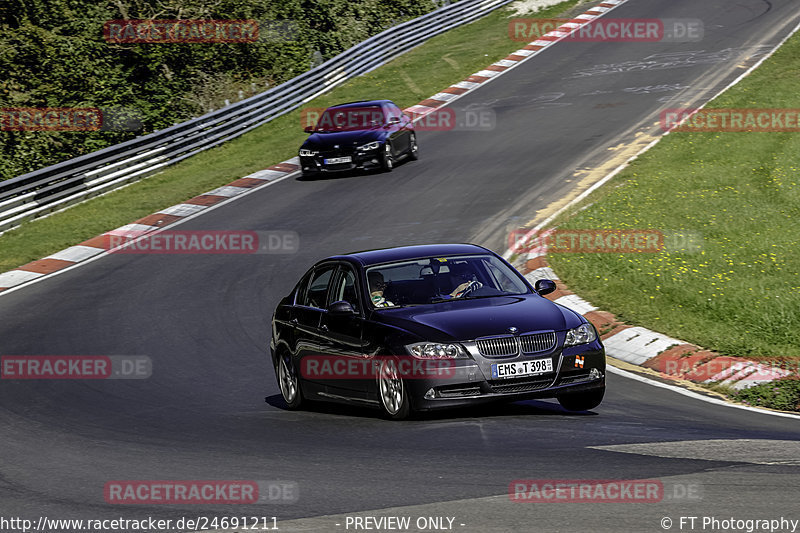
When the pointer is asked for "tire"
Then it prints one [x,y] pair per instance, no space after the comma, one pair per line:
[392,392]
[387,160]
[288,383]
[413,152]
[582,401]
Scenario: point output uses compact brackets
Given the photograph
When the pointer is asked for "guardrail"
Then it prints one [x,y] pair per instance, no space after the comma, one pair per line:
[50,189]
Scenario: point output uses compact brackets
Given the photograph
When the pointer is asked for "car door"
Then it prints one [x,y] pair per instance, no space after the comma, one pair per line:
[397,123]
[307,313]
[342,337]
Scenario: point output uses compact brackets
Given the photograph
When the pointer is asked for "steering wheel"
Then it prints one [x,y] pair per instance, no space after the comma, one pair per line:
[472,286]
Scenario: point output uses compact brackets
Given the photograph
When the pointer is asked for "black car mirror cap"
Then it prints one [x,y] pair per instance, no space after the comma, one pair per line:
[544,286]
[341,308]
[394,120]
[308,129]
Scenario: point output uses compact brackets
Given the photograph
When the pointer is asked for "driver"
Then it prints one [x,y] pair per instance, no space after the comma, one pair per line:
[376,288]
[460,273]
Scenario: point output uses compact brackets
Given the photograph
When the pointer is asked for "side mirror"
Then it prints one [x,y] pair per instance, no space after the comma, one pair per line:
[341,308]
[544,286]
[394,120]
[308,129]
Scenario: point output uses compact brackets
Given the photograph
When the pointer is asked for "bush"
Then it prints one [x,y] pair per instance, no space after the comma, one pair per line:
[53,54]
[783,394]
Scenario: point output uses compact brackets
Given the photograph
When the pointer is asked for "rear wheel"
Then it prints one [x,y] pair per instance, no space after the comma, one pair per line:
[387,160]
[582,401]
[289,382]
[392,392]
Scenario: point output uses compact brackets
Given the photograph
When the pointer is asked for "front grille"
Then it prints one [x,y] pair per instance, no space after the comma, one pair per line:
[498,346]
[538,342]
[510,345]
[338,152]
[521,386]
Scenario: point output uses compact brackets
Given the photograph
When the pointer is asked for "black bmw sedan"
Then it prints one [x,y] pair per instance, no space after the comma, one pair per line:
[365,135]
[426,327]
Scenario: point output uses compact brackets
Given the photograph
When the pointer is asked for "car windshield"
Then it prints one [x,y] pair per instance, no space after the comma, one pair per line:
[440,279]
[350,119]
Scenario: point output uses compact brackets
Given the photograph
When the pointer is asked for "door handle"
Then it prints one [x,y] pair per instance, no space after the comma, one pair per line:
[323,327]
[294,321]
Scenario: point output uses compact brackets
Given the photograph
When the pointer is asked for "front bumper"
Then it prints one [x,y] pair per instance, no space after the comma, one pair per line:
[360,160]
[468,385]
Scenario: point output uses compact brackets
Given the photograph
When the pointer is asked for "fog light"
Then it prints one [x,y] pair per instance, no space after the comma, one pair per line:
[595,374]
[430,395]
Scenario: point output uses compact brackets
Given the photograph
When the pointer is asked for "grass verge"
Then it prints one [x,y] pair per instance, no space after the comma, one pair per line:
[739,293]
[416,75]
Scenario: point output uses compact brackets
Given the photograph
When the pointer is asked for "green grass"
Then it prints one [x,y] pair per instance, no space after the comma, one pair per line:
[407,80]
[783,394]
[740,293]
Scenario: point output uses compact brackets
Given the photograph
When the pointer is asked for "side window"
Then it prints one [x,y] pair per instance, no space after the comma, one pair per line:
[316,295]
[346,288]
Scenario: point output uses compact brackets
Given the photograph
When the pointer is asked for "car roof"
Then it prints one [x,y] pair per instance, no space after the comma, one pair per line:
[406,253]
[361,104]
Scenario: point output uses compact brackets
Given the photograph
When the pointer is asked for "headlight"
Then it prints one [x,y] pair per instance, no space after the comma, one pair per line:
[307,153]
[374,145]
[580,335]
[432,350]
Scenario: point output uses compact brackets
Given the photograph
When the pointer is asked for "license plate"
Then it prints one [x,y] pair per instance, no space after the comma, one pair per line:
[337,160]
[518,369]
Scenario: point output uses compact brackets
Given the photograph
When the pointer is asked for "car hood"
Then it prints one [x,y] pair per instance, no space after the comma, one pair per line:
[344,138]
[470,319]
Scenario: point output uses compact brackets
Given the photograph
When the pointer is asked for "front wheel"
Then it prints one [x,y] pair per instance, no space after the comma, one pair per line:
[582,401]
[413,151]
[387,160]
[289,383]
[392,392]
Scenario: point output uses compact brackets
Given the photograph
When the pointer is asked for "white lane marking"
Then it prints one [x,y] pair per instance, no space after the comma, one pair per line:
[226,190]
[541,273]
[183,210]
[76,253]
[443,97]
[696,396]
[637,345]
[576,303]
[13,278]
[266,174]
[131,229]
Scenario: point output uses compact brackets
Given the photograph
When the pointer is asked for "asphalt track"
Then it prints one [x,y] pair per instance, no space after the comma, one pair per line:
[204,322]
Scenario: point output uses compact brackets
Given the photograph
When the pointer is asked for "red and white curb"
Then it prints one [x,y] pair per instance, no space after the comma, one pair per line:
[672,358]
[166,217]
